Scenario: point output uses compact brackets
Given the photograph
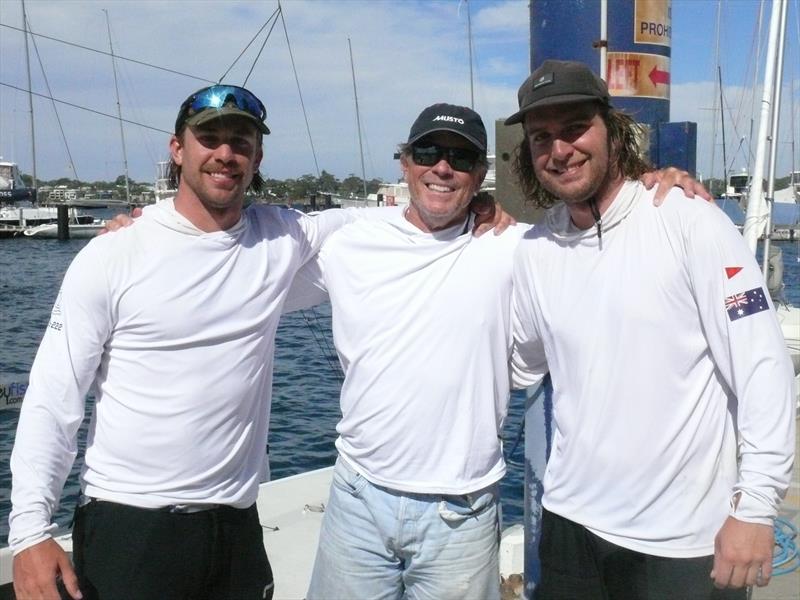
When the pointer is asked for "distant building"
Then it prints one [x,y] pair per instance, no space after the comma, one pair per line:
[62,194]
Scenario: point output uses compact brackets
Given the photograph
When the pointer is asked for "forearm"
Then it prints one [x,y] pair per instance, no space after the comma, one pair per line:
[44,450]
[750,355]
[767,439]
[53,409]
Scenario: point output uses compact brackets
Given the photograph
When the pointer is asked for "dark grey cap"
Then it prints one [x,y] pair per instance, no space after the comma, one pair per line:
[448,117]
[559,82]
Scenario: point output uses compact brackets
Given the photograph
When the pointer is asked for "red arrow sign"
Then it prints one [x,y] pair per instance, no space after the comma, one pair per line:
[657,76]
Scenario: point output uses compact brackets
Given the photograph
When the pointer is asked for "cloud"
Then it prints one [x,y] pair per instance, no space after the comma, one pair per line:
[407,55]
[506,18]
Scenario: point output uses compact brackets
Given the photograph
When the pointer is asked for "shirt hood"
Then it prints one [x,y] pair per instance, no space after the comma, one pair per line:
[559,222]
[164,212]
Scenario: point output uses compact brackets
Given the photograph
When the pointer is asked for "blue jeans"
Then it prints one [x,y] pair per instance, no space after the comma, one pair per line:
[380,544]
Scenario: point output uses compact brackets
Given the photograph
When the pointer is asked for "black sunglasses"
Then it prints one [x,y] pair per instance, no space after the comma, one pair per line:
[460,159]
[218,96]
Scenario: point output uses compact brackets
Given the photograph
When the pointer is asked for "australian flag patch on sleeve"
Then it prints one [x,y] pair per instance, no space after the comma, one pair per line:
[747,303]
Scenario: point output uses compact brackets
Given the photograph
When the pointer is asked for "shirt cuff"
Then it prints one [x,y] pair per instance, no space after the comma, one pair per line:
[751,509]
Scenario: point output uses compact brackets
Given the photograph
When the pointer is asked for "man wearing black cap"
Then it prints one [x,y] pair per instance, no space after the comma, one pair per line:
[421,323]
[172,322]
[666,359]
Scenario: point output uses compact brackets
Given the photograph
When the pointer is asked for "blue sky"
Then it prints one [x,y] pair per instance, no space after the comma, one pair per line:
[407,54]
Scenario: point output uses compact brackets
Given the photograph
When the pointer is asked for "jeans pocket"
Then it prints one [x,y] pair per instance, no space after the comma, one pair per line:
[460,508]
[347,480]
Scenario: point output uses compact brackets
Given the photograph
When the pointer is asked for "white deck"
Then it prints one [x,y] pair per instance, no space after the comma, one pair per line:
[290,511]
[290,515]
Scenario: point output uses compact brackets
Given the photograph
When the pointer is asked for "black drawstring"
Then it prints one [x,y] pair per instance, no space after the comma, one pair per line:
[598,221]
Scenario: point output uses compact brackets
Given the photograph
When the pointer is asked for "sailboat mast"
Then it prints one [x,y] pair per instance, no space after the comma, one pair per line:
[773,148]
[358,120]
[469,40]
[119,111]
[756,215]
[722,121]
[30,97]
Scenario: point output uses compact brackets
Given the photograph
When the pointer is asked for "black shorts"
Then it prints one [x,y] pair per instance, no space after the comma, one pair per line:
[122,552]
[578,565]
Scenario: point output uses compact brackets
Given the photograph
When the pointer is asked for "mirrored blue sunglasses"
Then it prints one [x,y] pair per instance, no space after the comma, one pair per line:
[218,96]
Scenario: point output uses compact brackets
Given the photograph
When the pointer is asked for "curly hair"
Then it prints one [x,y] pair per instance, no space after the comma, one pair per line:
[174,172]
[624,141]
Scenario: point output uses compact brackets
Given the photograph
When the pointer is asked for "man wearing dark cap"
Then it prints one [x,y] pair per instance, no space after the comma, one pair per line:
[673,425]
[172,323]
[421,324]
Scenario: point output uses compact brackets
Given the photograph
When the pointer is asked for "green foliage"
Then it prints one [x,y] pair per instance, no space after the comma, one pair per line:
[275,190]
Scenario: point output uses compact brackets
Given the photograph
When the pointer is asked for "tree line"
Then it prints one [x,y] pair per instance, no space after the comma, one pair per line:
[284,190]
[287,190]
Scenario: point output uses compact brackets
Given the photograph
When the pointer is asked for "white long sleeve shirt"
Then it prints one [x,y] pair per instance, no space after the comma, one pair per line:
[174,328]
[421,324]
[666,359]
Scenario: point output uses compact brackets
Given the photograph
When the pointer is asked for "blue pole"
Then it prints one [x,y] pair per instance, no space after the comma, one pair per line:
[538,440]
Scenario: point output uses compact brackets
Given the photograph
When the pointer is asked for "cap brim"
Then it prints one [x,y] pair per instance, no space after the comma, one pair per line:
[469,138]
[210,114]
[519,116]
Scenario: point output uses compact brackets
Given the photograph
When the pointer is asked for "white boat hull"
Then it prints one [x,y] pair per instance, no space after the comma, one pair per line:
[76,231]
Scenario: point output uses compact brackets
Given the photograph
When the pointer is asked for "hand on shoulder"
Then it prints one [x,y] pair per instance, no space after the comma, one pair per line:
[673,177]
[121,220]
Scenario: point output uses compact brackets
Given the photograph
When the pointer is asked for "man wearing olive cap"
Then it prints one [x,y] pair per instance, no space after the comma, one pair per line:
[673,404]
[172,323]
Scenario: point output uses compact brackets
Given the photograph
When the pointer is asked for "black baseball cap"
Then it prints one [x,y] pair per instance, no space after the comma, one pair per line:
[559,82]
[448,117]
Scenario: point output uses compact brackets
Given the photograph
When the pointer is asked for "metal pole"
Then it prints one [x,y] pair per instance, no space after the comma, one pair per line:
[358,121]
[773,149]
[755,217]
[62,220]
[30,99]
[119,111]
[724,153]
[469,39]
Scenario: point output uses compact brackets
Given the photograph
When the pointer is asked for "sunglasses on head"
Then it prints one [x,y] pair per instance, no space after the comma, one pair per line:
[218,96]
[460,159]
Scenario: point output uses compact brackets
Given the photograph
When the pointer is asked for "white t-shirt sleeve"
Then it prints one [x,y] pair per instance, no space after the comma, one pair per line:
[53,409]
[319,226]
[528,360]
[750,353]
[308,288]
